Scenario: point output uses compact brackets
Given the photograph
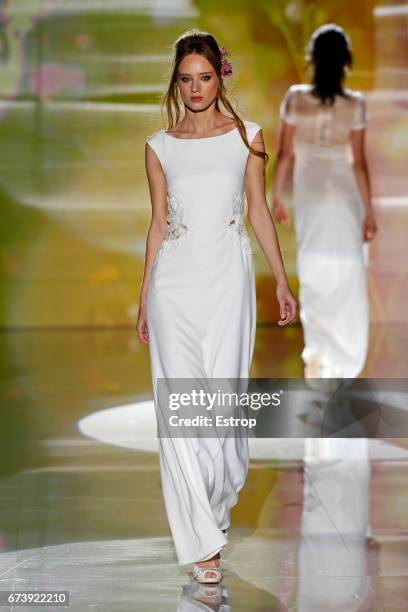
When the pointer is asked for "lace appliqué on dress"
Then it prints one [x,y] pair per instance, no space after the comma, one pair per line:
[235,221]
[177,228]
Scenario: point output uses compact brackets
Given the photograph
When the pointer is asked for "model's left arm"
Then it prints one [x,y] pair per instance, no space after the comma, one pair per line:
[362,175]
[262,223]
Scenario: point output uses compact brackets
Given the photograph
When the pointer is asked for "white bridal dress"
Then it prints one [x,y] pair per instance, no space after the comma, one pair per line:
[328,215]
[201,315]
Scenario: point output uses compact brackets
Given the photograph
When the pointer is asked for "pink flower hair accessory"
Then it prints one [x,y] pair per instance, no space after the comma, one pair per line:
[226,66]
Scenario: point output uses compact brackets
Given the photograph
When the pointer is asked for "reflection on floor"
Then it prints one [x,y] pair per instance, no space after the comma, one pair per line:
[320,525]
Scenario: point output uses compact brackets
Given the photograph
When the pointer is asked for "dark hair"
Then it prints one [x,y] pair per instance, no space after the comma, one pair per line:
[329,50]
[203,43]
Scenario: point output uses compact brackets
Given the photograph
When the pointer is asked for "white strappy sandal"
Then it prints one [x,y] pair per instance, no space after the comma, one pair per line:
[199,573]
[215,574]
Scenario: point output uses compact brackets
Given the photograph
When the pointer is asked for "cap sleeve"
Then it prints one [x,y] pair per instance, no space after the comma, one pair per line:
[287,109]
[155,141]
[360,119]
[252,129]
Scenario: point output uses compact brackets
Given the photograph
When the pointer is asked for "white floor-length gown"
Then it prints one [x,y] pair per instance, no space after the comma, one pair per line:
[328,215]
[201,315]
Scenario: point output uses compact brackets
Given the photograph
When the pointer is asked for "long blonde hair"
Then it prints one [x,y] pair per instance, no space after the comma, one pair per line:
[203,43]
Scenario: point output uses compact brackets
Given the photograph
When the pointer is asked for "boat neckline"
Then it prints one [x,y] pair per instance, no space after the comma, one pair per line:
[203,137]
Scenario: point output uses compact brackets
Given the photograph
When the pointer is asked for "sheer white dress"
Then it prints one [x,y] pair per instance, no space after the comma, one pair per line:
[201,314]
[328,216]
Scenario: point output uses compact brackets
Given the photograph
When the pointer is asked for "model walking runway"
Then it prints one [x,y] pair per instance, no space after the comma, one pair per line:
[201,308]
[198,301]
[323,126]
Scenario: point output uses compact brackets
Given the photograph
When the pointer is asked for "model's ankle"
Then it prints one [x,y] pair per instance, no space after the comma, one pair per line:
[207,561]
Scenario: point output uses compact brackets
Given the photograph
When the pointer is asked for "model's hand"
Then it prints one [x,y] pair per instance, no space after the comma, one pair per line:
[279,212]
[287,304]
[141,326]
[369,227]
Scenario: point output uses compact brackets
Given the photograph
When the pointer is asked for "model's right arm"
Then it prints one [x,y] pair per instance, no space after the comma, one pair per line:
[157,231]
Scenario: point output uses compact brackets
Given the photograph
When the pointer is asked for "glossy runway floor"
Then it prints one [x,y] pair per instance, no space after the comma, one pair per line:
[319,525]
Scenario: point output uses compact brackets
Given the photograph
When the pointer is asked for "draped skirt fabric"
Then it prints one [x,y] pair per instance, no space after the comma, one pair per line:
[201,308]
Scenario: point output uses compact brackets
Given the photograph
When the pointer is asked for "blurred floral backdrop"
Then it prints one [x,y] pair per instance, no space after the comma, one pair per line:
[79,92]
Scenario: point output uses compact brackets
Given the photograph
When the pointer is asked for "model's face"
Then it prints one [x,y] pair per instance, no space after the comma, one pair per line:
[197,81]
